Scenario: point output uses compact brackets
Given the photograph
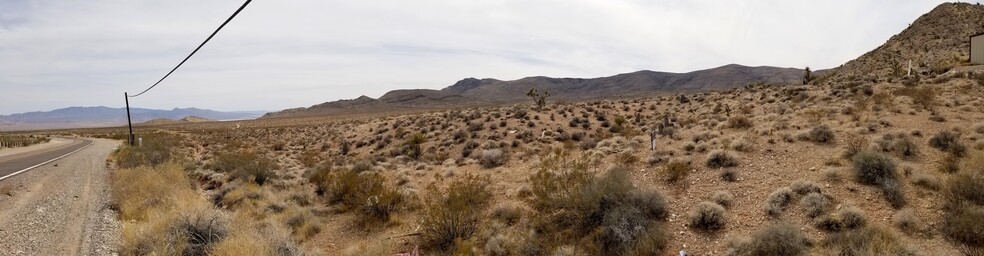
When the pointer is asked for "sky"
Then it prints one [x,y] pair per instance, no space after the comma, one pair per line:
[280,54]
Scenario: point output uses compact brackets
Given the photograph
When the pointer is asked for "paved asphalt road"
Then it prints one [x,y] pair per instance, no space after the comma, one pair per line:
[14,163]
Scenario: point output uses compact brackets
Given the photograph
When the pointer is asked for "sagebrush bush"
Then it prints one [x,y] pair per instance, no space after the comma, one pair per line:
[819,134]
[366,192]
[873,168]
[723,198]
[804,187]
[778,200]
[907,221]
[155,150]
[676,170]
[247,165]
[453,213]
[948,141]
[492,158]
[868,240]
[729,175]
[721,159]
[739,122]
[852,217]
[574,203]
[892,191]
[815,204]
[707,216]
[964,222]
[777,239]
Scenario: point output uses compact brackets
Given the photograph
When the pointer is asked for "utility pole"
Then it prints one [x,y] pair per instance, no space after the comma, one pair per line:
[128,122]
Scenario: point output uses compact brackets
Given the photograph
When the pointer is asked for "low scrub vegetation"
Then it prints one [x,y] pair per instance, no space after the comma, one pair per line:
[963,219]
[721,159]
[877,169]
[775,239]
[452,215]
[573,203]
[13,141]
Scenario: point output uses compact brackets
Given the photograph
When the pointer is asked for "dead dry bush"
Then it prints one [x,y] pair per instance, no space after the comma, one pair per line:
[453,214]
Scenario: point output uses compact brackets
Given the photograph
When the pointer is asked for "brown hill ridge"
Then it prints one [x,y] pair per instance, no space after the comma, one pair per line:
[935,42]
[471,92]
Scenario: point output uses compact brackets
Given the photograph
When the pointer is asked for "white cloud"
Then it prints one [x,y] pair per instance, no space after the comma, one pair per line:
[282,54]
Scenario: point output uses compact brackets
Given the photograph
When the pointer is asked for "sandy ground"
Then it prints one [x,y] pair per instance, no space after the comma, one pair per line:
[55,142]
[61,208]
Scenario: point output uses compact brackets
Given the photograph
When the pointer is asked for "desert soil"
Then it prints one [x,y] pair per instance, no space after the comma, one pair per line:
[61,208]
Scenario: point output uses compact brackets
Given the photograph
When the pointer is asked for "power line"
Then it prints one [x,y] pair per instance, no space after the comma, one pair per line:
[196,49]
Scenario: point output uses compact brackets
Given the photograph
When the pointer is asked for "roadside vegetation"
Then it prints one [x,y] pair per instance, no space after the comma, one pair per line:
[13,141]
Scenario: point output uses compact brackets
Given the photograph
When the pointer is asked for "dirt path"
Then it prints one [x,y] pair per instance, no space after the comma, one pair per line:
[61,208]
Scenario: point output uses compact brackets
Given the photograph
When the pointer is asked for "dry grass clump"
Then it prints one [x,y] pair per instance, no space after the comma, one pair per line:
[873,168]
[721,159]
[492,158]
[707,216]
[573,204]
[777,239]
[926,181]
[453,214]
[164,215]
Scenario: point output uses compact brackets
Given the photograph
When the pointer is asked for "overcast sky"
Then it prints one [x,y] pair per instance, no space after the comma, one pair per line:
[295,53]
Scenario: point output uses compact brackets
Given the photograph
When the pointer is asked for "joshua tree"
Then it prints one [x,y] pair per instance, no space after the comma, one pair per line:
[807,76]
[540,100]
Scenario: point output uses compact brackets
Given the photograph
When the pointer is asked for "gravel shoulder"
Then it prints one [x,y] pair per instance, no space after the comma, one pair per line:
[61,208]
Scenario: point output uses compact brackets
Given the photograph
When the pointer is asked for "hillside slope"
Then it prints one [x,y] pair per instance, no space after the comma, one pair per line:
[485,92]
[934,42]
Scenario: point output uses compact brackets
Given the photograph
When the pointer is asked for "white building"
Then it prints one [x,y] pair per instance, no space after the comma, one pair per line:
[977,49]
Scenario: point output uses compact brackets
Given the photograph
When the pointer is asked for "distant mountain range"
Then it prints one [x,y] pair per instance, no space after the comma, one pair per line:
[482,92]
[83,117]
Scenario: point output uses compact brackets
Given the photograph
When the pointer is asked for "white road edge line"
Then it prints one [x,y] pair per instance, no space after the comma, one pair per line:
[46,162]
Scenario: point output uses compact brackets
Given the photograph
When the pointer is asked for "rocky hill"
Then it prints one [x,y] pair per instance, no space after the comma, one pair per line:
[485,92]
[935,42]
